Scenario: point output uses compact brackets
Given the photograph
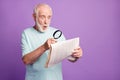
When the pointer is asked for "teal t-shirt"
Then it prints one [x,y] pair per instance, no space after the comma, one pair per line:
[31,40]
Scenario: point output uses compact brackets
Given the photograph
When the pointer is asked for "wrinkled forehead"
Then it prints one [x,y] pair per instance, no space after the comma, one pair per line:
[44,9]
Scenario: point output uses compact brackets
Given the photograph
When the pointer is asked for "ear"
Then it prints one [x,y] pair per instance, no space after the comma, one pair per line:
[34,17]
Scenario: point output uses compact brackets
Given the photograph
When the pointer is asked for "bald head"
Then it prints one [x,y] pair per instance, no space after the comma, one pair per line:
[42,7]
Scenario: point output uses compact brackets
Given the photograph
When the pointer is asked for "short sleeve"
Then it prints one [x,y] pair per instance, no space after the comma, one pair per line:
[24,44]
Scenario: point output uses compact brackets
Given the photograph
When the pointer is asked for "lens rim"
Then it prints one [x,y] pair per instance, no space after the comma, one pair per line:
[56,32]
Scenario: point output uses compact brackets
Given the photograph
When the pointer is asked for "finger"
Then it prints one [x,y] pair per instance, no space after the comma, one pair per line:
[76,54]
[77,48]
[76,51]
[53,41]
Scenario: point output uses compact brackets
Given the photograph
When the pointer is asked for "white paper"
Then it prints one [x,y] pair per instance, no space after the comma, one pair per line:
[61,50]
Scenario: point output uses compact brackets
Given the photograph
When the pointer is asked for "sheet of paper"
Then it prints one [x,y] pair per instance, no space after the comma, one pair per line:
[61,50]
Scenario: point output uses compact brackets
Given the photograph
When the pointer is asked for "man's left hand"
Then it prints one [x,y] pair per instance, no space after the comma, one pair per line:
[77,53]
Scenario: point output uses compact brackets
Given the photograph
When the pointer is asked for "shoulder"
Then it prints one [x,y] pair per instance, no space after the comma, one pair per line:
[28,30]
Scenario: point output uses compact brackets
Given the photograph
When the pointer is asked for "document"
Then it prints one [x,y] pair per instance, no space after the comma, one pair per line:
[61,50]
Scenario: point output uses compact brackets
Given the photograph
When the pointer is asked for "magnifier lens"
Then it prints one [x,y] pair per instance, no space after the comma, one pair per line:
[57,34]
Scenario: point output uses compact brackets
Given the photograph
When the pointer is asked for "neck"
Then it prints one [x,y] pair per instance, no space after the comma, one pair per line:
[35,27]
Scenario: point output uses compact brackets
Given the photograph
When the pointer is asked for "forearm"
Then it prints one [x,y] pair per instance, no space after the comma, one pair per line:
[31,57]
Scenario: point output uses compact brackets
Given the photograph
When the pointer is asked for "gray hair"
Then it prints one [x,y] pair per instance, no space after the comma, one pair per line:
[35,10]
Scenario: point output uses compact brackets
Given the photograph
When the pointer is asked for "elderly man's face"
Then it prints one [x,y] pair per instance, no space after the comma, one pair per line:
[43,18]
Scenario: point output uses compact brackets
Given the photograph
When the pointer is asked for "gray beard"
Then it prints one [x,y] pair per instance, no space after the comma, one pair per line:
[40,26]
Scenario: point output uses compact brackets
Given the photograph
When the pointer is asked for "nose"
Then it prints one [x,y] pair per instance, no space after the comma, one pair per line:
[46,21]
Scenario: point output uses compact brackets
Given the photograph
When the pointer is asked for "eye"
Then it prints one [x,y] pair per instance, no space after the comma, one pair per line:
[49,17]
[41,16]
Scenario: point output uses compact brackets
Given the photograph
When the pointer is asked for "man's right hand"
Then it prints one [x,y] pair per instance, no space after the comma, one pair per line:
[48,43]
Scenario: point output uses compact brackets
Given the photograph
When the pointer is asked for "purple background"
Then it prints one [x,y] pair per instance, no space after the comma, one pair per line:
[96,22]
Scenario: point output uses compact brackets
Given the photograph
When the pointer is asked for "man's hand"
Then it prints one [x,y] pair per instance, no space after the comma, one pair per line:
[48,43]
[77,53]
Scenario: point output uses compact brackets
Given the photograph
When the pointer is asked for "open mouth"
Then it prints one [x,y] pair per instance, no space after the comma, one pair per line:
[44,27]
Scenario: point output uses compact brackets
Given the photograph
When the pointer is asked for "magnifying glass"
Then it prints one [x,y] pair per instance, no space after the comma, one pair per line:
[57,34]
